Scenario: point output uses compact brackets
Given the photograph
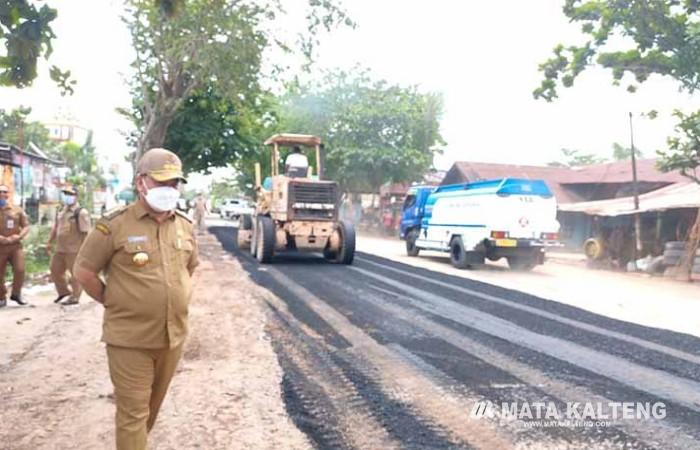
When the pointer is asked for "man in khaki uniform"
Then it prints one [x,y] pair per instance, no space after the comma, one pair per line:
[147,252]
[200,212]
[14,226]
[69,230]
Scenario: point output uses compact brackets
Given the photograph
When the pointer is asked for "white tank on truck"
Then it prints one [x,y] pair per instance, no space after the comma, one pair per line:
[504,218]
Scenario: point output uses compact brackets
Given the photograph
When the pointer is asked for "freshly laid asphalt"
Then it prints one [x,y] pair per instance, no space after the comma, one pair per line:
[384,355]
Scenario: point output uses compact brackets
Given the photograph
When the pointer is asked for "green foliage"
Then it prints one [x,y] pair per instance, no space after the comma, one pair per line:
[651,37]
[85,172]
[16,129]
[574,158]
[26,35]
[684,148]
[211,130]
[622,153]
[374,132]
[661,37]
[37,259]
[221,189]
[193,49]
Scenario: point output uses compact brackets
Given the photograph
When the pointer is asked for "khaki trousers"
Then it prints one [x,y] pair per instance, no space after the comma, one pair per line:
[16,259]
[60,264]
[199,221]
[141,378]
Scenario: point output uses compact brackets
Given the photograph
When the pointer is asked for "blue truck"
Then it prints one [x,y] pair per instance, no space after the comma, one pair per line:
[508,218]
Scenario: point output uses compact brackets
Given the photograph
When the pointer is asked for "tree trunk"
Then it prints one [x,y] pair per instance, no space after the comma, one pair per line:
[686,267]
[154,132]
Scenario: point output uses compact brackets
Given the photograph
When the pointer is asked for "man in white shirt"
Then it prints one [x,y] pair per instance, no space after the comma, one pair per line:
[296,164]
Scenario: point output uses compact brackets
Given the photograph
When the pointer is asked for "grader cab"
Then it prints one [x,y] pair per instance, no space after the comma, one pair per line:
[296,211]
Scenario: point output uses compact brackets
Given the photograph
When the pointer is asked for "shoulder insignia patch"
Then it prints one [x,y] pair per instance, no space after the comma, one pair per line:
[103,228]
[183,215]
[112,213]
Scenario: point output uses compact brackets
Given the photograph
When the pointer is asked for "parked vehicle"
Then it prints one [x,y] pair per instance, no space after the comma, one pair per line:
[504,218]
[234,208]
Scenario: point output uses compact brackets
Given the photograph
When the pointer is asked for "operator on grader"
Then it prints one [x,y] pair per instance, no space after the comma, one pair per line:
[297,164]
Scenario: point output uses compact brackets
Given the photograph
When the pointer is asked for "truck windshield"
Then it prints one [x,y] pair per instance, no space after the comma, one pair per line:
[409,202]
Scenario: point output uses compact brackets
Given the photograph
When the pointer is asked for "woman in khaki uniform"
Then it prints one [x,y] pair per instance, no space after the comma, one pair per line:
[69,230]
[14,226]
[147,252]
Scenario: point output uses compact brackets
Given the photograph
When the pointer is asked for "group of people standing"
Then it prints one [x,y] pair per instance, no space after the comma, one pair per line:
[68,232]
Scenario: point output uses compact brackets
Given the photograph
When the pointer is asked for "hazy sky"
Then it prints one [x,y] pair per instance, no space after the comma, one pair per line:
[482,56]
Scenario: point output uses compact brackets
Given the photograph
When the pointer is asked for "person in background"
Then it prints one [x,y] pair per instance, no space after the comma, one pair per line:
[200,211]
[69,231]
[14,226]
[147,252]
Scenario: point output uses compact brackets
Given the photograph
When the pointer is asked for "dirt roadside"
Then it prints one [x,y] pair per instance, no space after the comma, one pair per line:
[55,391]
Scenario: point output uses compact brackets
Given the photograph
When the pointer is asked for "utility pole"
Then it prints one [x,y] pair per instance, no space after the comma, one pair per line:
[635,192]
[21,156]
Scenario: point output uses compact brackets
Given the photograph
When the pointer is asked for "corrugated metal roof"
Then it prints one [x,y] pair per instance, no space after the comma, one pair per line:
[621,172]
[553,176]
[678,195]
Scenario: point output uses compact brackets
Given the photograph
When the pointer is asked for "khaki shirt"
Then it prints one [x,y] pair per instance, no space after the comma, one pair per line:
[145,304]
[12,221]
[70,232]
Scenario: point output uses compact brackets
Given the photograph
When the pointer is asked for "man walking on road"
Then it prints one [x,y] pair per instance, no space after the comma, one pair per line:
[147,252]
[200,212]
[14,226]
[69,230]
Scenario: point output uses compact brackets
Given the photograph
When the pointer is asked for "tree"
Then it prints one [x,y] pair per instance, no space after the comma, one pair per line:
[184,47]
[225,188]
[374,132]
[26,35]
[15,128]
[622,153]
[210,130]
[574,158]
[649,37]
[85,172]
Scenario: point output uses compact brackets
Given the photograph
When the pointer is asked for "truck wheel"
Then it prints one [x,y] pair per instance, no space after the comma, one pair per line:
[411,237]
[246,222]
[254,239]
[265,239]
[521,262]
[346,253]
[594,248]
[458,255]
[347,244]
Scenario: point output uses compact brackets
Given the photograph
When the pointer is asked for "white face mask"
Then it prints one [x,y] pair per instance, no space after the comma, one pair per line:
[68,199]
[162,198]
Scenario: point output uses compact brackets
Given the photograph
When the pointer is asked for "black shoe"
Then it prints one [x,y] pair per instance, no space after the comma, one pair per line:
[61,297]
[3,302]
[17,299]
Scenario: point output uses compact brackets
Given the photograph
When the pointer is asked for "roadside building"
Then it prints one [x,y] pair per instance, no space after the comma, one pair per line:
[33,178]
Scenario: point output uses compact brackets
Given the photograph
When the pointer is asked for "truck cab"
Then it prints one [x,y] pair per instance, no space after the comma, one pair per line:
[414,208]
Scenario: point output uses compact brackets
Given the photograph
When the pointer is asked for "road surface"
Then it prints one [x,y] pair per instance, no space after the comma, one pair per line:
[384,355]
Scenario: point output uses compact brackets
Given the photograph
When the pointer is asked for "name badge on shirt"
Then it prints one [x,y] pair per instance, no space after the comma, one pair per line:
[10,223]
[135,239]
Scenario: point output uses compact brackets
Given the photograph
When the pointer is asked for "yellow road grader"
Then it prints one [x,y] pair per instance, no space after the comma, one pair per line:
[296,211]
